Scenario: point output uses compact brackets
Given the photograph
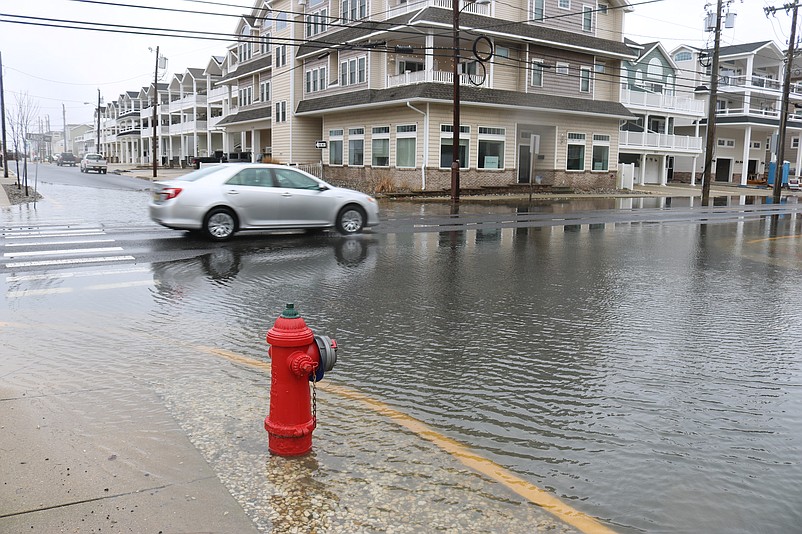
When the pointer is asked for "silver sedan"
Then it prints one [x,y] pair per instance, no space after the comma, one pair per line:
[223,199]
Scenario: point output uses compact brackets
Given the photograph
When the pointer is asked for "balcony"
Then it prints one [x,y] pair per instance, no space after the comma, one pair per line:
[148,132]
[217,94]
[761,84]
[188,127]
[436,76]
[188,102]
[466,7]
[656,141]
[662,102]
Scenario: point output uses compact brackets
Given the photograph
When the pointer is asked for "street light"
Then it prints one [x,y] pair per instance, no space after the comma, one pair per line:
[455,163]
[97,109]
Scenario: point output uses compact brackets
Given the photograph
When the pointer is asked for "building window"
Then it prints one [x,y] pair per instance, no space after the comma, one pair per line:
[281,111]
[601,152]
[264,43]
[538,10]
[728,143]
[794,143]
[281,55]
[564,4]
[756,144]
[264,91]
[246,96]
[316,80]
[537,73]
[587,18]
[491,148]
[353,71]
[584,80]
[244,51]
[576,152]
[410,65]
[281,21]
[602,9]
[356,146]
[447,144]
[317,22]
[354,10]
[562,68]
[335,147]
[380,146]
[406,142]
[683,56]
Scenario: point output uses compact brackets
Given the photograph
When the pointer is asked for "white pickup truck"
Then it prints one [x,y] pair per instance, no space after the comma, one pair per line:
[94,162]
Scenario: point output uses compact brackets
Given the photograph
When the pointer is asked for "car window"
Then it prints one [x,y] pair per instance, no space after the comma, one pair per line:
[205,171]
[252,177]
[293,179]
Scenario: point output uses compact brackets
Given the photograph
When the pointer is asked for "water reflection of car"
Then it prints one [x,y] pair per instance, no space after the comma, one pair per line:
[221,200]
[284,259]
[793,183]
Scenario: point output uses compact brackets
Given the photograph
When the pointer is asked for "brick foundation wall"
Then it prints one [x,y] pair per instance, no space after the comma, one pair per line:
[383,180]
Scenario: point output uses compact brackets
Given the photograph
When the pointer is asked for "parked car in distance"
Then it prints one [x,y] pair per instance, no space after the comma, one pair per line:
[93,162]
[223,199]
[66,158]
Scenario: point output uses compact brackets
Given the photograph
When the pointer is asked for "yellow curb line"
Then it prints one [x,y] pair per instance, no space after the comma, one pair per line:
[489,468]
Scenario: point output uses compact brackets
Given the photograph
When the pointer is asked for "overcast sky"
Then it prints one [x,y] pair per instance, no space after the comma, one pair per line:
[67,66]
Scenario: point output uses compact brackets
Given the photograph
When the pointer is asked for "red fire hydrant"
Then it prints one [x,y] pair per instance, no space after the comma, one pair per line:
[297,356]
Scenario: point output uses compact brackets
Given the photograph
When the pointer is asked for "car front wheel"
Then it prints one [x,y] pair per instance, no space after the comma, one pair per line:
[219,224]
[351,220]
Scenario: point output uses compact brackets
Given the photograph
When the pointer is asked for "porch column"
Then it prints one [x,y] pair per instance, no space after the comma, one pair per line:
[663,170]
[255,144]
[642,173]
[745,160]
[798,155]
[429,58]
[693,171]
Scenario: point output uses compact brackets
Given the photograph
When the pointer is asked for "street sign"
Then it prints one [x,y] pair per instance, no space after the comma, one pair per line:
[321,144]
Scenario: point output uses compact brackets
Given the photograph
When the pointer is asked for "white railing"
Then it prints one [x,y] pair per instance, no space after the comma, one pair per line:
[763,113]
[465,7]
[437,76]
[662,101]
[218,93]
[214,120]
[661,141]
[750,82]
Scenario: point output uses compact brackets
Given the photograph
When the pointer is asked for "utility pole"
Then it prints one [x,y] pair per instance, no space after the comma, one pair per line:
[3,119]
[98,121]
[711,110]
[64,119]
[784,108]
[155,118]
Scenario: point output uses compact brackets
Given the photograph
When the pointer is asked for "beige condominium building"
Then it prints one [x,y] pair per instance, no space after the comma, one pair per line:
[365,89]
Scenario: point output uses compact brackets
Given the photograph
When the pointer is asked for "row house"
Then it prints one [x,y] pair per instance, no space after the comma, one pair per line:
[372,84]
[748,105]
[187,117]
[653,89]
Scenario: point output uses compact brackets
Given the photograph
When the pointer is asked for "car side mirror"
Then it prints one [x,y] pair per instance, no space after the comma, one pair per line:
[322,187]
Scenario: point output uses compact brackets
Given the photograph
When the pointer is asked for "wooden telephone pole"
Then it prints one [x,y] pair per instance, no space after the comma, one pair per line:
[778,168]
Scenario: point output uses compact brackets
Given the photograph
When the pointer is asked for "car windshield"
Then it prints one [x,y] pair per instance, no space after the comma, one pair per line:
[195,175]
[93,156]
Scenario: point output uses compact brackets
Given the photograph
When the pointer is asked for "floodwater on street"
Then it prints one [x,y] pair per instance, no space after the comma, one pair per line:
[647,374]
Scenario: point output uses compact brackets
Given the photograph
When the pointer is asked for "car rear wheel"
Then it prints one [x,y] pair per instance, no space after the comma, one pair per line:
[351,220]
[219,224]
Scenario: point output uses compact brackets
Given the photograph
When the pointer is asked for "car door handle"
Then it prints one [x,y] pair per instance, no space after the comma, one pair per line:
[233,192]
[286,194]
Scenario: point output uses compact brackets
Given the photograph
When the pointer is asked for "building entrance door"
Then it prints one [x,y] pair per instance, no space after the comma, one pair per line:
[723,169]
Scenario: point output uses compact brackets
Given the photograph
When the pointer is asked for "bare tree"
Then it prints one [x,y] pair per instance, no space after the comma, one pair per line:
[22,118]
